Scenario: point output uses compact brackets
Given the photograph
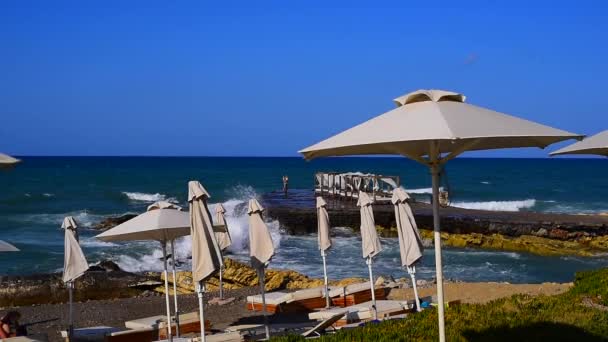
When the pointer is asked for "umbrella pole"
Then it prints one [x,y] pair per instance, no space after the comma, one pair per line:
[163,245]
[201,309]
[261,281]
[175,288]
[221,283]
[71,310]
[327,302]
[372,288]
[437,240]
[412,272]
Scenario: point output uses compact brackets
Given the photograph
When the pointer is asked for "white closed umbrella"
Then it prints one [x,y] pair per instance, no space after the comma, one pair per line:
[324,240]
[432,127]
[222,235]
[596,144]
[410,243]
[74,263]
[7,161]
[370,243]
[261,249]
[206,255]
[7,247]
[162,225]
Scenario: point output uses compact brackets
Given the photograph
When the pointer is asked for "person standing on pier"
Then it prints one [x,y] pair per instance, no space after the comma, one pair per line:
[285,184]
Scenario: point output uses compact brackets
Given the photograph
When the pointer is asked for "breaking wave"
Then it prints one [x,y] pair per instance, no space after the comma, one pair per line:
[497,205]
[144,197]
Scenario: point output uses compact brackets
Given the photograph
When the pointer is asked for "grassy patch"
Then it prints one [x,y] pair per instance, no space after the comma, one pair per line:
[518,318]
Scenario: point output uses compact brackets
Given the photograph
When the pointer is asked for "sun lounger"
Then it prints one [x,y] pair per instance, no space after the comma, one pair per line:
[364,311]
[188,323]
[90,334]
[33,338]
[299,301]
[133,335]
[355,294]
[318,329]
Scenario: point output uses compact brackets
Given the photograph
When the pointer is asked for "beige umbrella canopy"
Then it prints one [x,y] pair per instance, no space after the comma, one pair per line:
[7,161]
[222,235]
[160,225]
[70,223]
[410,243]
[370,242]
[432,127]
[164,205]
[206,255]
[597,144]
[261,249]
[74,262]
[7,247]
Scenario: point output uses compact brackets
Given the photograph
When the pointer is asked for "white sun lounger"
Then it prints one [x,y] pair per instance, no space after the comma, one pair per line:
[363,311]
[322,326]
[298,301]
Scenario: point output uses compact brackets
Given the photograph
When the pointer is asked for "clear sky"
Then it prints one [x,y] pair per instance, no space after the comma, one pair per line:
[271,77]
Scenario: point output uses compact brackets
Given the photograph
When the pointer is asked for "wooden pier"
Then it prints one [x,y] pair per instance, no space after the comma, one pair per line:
[348,185]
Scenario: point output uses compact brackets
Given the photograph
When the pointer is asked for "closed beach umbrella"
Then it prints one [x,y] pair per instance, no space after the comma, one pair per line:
[370,242]
[410,243]
[323,239]
[432,127]
[597,144]
[162,225]
[7,161]
[222,235]
[261,249]
[7,247]
[74,263]
[206,255]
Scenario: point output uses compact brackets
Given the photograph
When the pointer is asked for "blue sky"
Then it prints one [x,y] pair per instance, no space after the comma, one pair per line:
[271,77]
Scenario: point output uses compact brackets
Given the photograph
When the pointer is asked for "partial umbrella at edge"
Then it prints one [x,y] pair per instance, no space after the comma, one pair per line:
[596,144]
[7,247]
[7,161]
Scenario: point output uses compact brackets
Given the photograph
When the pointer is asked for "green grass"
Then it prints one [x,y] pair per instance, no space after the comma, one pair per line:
[518,318]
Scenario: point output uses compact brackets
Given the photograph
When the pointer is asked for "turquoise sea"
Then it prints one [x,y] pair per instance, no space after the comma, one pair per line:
[37,194]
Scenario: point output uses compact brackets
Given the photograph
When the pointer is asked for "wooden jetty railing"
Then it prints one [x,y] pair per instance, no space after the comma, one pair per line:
[347,185]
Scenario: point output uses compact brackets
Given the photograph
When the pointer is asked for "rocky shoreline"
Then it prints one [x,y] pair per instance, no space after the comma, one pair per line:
[538,233]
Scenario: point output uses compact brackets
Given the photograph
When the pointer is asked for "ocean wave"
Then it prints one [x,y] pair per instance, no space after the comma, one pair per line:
[485,182]
[420,191]
[145,197]
[83,218]
[93,242]
[497,205]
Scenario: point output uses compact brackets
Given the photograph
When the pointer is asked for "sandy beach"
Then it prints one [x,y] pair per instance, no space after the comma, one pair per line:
[50,319]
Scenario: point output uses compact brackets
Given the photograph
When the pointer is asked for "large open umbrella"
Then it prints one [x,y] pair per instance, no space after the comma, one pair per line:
[370,242]
[222,235]
[596,144]
[261,249]
[74,263]
[206,255]
[169,205]
[7,161]
[432,127]
[7,247]
[410,243]
[324,240]
[162,225]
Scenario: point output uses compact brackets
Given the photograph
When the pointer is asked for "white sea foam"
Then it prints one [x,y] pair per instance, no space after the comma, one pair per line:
[420,191]
[497,205]
[145,197]
[93,242]
[46,194]
[485,182]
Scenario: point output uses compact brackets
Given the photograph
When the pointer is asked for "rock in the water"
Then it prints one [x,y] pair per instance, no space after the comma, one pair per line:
[112,222]
[49,288]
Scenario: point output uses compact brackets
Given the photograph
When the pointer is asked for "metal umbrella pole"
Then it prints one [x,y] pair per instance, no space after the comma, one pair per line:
[261,281]
[71,310]
[175,288]
[221,283]
[412,271]
[327,301]
[201,309]
[372,288]
[163,245]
